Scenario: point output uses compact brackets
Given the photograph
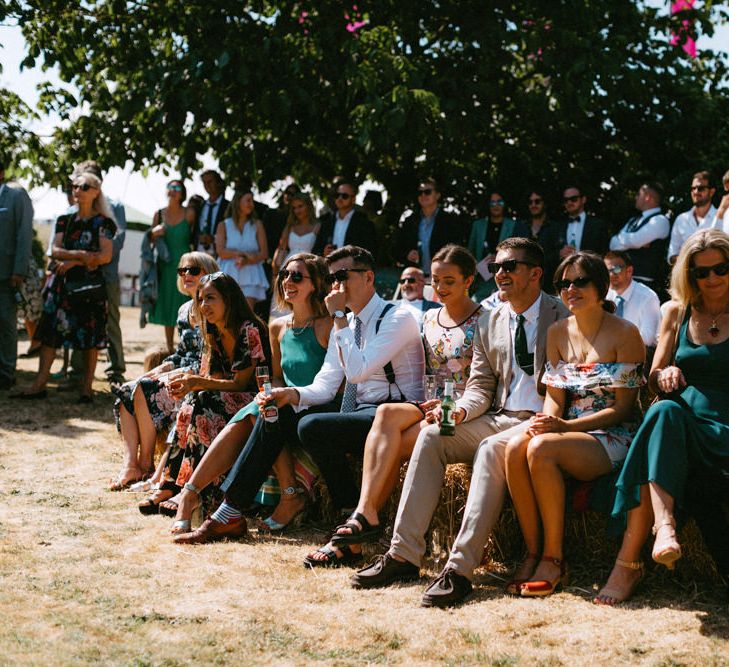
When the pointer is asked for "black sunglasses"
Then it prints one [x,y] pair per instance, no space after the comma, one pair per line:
[343,195]
[293,276]
[425,191]
[507,267]
[210,277]
[699,188]
[573,198]
[82,186]
[409,281]
[341,276]
[702,272]
[579,283]
[536,200]
[192,270]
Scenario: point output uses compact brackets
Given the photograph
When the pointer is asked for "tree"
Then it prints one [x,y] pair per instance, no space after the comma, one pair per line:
[479,93]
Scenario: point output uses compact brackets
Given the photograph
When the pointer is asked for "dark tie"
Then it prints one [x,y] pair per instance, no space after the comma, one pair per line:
[349,400]
[209,222]
[619,303]
[523,358]
[633,224]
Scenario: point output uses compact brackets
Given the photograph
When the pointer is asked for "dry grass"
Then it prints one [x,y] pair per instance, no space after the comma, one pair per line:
[85,579]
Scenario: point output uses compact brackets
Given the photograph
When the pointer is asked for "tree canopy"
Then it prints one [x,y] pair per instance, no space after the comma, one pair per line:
[480,93]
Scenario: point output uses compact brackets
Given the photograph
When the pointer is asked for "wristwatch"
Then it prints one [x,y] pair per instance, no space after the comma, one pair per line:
[337,314]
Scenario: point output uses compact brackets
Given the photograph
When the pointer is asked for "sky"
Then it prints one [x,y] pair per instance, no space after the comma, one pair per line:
[146,194]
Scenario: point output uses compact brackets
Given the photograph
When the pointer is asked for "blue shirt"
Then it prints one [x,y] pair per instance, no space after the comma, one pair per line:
[425,231]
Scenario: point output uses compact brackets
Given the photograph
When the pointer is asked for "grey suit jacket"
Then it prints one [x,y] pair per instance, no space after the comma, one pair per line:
[488,385]
[16,231]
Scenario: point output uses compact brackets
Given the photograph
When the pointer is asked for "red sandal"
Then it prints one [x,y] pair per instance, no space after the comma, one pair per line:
[544,587]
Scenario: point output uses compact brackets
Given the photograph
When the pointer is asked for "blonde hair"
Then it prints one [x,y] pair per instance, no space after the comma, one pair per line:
[201,259]
[100,204]
[684,287]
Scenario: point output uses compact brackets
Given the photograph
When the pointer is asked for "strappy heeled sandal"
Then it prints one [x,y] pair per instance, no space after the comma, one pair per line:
[612,596]
[270,525]
[669,555]
[181,526]
[513,587]
[544,587]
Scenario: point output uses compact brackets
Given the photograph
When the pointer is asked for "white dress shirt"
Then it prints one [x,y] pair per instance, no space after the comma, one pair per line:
[340,229]
[686,224]
[658,227]
[398,341]
[522,390]
[642,307]
[575,228]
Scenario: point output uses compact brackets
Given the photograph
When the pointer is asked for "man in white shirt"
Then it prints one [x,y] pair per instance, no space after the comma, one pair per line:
[412,284]
[501,395]
[645,235]
[212,212]
[634,301]
[701,216]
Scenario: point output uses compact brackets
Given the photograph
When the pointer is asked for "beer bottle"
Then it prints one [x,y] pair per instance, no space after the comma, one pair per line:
[448,407]
[270,411]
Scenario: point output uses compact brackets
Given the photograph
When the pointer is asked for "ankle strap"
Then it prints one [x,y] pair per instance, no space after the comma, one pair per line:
[292,490]
[191,487]
[630,564]
[665,522]
[551,559]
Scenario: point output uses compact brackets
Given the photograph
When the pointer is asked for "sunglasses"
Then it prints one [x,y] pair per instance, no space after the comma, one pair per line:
[82,186]
[343,195]
[425,191]
[496,202]
[293,276]
[702,272]
[699,188]
[509,266]
[210,277]
[192,270]
[341,276]
[536,201]
[174,188]
[409,281]
[616,270]
[579,283]
[573,198]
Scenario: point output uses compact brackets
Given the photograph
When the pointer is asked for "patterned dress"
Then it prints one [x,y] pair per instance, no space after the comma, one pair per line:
[161,405]
[591,388]
[81,327]
[203,414]
[449,350]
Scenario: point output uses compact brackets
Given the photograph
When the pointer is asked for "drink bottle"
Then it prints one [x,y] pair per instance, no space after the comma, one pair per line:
[448,408]
[269,411]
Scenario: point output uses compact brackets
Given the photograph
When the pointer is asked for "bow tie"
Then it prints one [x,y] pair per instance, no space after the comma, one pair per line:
[577,219]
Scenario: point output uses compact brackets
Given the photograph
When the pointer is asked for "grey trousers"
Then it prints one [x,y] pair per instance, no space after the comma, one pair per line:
[482,443]
[8,332]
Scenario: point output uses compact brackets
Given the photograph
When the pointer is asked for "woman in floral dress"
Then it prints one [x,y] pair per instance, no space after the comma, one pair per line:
[234,344]
[144,407]
[449,333]
[593,374]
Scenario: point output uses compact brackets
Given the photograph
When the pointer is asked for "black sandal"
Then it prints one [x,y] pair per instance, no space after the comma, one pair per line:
[362,534]
[148,506]
[348,557]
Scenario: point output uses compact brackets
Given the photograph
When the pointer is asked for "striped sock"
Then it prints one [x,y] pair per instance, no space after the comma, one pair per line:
[226,513]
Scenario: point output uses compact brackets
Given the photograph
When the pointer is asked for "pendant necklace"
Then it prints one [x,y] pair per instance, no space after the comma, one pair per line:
[298,331]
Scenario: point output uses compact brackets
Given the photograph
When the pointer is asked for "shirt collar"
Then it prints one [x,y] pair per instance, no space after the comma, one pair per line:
[579,219]
[346,218]
[430,218]
[650,211]
[214,202]
[372,307]
[627,293]
[531,314]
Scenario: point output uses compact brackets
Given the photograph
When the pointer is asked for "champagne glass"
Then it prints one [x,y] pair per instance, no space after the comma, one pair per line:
[262,376]
[431,387]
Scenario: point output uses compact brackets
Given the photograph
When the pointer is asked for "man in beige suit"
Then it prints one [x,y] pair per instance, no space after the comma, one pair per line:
[502,393]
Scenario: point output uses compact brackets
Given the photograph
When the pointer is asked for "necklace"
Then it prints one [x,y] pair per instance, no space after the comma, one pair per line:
[298,331]
[714,328]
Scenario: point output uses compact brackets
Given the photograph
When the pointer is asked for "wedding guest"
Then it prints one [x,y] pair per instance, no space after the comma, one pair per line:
[212,213]
[684,438]
[412,286]
[593,373]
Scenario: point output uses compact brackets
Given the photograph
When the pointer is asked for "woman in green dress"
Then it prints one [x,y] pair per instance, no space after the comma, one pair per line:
[173,225]
[685,435]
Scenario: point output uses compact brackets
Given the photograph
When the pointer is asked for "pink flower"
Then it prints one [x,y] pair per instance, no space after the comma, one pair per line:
[185,472]
[233,401]
[164,401]
[203,430]
[183,424]
[353,27]
[254,343]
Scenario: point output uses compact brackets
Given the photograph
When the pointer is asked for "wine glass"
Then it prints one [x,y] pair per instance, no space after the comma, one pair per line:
[431,387]
[262,376]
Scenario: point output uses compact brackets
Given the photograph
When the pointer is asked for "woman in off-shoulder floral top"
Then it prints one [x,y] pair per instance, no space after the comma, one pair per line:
[593,373]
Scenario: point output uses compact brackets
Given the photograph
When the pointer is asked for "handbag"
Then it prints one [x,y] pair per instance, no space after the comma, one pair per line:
[86,290]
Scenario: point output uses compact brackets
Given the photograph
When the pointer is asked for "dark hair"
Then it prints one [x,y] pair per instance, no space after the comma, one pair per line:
[237,309]
[346,181]
[317,268]
[594,267]
[656,188]
[620,254]
[218,177]
[361,257]
[196,202]
[532,251]
[573,186]
[458,255]
[704,176]
[429,180]
[177,181]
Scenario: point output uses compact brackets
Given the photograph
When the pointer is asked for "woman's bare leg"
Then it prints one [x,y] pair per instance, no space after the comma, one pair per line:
[131,469]
[45,361]
[519,481]
[90,358]
[170,338]
[146,430]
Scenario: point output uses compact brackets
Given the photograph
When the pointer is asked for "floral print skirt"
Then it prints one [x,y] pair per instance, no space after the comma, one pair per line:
[162,407]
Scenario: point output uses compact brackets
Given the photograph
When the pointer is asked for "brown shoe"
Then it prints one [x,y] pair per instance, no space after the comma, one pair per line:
[214,531]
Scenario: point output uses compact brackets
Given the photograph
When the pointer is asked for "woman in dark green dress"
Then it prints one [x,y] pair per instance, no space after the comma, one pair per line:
[686,435]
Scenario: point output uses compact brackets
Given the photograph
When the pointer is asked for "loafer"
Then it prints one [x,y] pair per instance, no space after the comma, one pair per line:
[449,589]
[214,531]
[385,571]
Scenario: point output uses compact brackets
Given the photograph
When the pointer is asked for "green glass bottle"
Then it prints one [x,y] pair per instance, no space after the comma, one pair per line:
[448,408]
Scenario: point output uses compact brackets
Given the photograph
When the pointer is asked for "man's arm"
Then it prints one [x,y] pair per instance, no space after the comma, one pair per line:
[656,228]
[397,330]
[325,384]
[478,395]
[650,318]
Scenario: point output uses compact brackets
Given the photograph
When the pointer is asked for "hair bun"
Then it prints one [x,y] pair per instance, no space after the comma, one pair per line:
[609,306]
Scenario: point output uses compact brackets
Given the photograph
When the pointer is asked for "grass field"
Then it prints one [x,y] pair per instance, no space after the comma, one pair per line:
[85,579]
